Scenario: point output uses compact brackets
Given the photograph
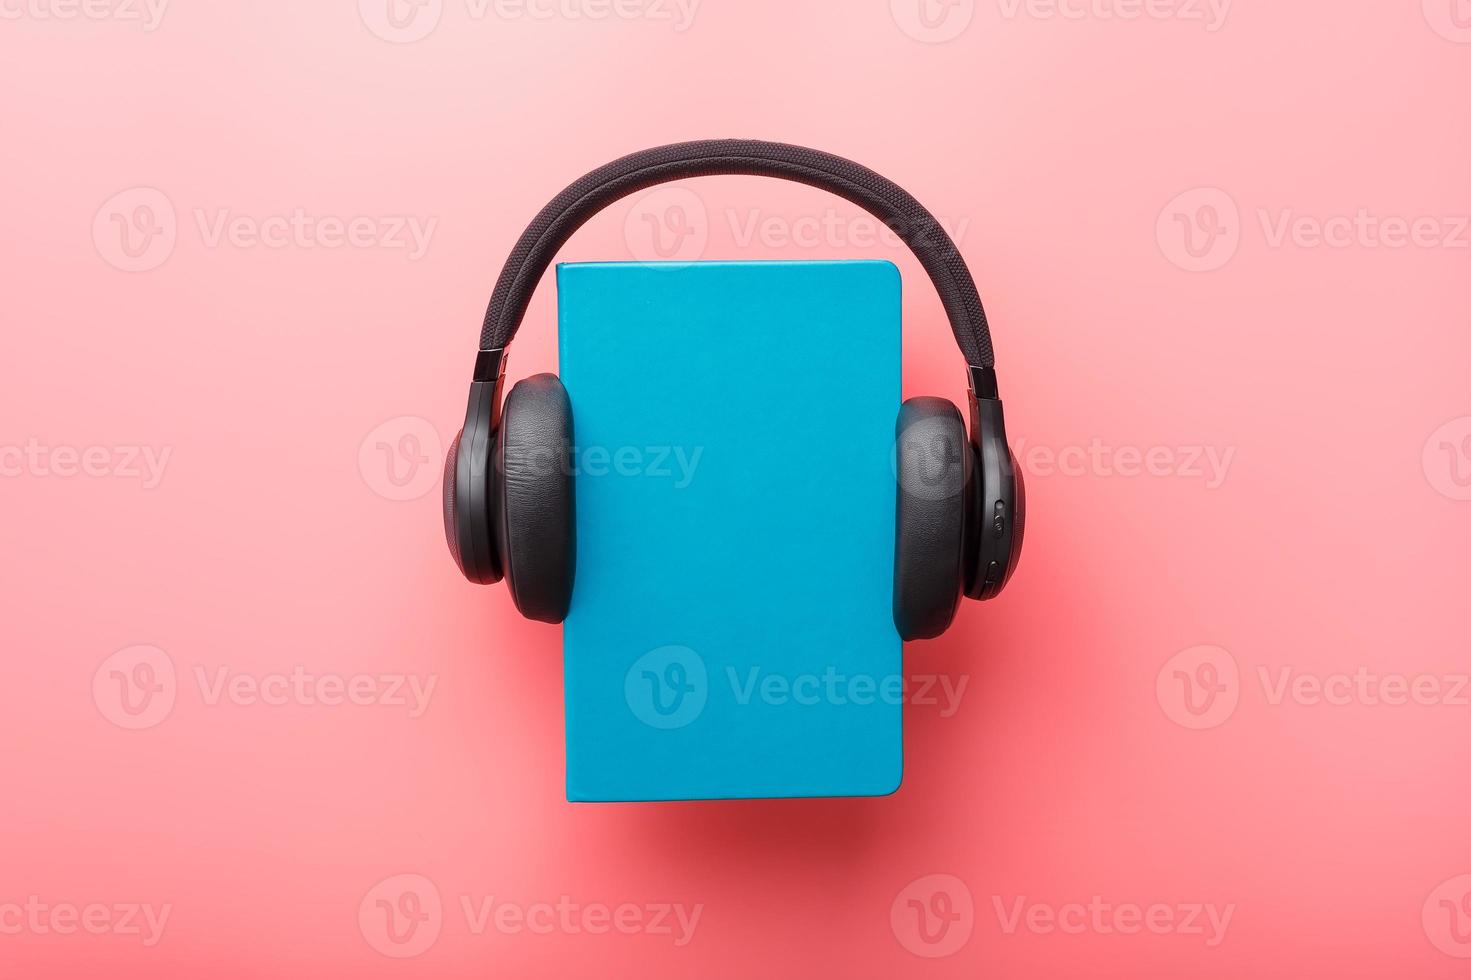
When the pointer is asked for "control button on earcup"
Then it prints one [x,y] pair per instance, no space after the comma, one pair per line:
[1018,517]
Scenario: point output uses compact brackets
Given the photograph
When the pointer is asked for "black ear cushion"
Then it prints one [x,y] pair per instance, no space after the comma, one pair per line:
[536,525]
[933,467]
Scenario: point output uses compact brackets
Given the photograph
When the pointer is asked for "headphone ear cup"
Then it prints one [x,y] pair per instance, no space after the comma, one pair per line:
[468,492]
[933,463]
[999,501]
[536,513]
[451,530]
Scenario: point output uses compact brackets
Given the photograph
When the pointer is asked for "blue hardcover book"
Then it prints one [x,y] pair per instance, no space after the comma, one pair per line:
[731,631]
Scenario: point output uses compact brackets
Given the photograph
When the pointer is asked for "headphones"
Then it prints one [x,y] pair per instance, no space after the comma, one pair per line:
[961,500]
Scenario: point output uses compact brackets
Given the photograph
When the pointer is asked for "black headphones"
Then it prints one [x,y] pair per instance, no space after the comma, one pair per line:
[508,485]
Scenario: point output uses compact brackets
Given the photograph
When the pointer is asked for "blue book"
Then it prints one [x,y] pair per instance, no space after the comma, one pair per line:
[731,631]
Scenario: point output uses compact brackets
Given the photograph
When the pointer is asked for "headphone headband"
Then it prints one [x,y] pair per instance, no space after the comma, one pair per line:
[877,195]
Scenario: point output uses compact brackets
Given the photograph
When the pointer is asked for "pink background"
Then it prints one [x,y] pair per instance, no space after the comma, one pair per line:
[1124,733]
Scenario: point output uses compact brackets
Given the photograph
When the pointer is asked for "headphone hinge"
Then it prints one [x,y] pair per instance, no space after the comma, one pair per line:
[490,364]
[983,382]
[490,372]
